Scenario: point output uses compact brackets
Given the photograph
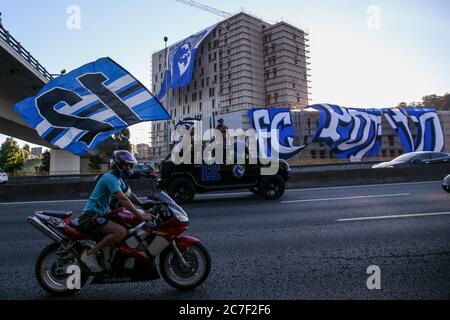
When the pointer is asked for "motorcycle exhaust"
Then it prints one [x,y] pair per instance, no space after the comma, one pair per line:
[35,222]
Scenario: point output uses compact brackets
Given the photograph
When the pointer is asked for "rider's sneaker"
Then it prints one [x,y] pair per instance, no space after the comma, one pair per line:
[91,262]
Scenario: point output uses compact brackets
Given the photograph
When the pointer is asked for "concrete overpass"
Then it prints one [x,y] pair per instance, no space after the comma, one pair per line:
[22,76]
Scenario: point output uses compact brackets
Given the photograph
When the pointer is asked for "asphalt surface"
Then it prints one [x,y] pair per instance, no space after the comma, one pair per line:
[301,247]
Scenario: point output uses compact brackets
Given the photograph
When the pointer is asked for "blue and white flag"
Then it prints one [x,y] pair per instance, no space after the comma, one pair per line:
[80,109]
[186,123]
[429,134]
[351,133]
[180,61]
[398,119]
[266,120]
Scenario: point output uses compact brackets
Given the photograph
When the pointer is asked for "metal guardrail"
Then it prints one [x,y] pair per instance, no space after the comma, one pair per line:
[14,44]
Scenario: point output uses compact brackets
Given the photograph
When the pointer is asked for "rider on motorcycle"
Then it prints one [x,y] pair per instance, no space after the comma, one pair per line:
[95,216]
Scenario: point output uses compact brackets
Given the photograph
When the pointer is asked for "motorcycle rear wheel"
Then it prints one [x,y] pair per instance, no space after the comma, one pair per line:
[47,277]
[181,277]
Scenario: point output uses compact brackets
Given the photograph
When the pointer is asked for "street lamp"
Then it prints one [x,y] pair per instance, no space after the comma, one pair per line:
[167,67]
[62,72]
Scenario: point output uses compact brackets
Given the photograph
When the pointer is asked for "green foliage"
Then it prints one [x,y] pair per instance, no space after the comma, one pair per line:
[45,167]
[95,162]
[12,157]
[31,167]
[27,148]
[431,101]
[122,139]
[438,102]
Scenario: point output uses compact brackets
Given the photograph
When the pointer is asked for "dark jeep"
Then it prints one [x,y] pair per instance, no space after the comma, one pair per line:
[183,181]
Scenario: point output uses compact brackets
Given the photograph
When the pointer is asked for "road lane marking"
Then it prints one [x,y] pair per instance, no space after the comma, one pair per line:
[397,216]
[350,198]
[322,188]
[223,194]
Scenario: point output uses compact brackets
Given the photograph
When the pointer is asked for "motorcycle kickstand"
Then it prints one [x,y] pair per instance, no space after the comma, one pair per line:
[180,256]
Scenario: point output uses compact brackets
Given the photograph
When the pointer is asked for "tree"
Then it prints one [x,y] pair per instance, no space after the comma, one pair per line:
[122,139]
[95,162]
[12,157]
[27,151]
[27,148]
[438,102]
[446,100]
[430,101]
[46,161]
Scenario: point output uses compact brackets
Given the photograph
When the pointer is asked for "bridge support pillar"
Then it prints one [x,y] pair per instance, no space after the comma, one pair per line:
[63,162]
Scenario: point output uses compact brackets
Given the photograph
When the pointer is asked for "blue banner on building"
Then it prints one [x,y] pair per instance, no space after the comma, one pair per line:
[352,134]
[266,120]
[398,119]
[428,129]
[80,109]
[180,61]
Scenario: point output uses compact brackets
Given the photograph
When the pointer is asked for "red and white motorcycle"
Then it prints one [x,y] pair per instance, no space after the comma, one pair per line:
[184,262]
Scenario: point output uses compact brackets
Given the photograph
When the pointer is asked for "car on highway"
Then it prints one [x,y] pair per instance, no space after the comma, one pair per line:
[140,171]
[446,184]
[414,159]
[3,177]
[183,181]
[143,171]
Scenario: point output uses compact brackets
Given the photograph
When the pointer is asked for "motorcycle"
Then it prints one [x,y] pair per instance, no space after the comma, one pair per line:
[184,262]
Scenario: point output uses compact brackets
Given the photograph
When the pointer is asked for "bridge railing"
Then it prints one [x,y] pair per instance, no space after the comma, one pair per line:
[14,44]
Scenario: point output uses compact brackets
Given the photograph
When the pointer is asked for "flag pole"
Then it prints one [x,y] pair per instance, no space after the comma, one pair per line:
[167,68]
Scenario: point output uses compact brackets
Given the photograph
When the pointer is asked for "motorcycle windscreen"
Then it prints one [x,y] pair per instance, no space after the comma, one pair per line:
[176,209]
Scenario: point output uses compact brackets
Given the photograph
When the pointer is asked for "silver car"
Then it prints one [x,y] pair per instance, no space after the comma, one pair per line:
[414,159]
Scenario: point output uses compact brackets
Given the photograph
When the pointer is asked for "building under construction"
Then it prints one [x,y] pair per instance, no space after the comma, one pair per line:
[248,63]
[244,63]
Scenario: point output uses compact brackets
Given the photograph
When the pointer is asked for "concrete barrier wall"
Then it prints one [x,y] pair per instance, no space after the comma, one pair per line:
[63,190]
[52,179]
[368,176]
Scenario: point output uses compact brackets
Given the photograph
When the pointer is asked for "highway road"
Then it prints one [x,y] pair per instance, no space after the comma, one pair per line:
[312,244]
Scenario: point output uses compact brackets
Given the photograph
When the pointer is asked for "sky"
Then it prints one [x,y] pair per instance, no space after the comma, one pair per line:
[374,53]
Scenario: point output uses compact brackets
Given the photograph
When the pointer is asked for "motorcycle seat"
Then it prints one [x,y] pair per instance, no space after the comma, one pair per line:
[57,214]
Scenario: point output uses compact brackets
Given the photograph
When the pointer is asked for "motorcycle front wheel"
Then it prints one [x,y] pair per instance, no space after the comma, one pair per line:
[52,267]
[184,277]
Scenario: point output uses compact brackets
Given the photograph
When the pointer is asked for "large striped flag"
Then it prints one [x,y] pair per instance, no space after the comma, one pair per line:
[79,110]
[351,133]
